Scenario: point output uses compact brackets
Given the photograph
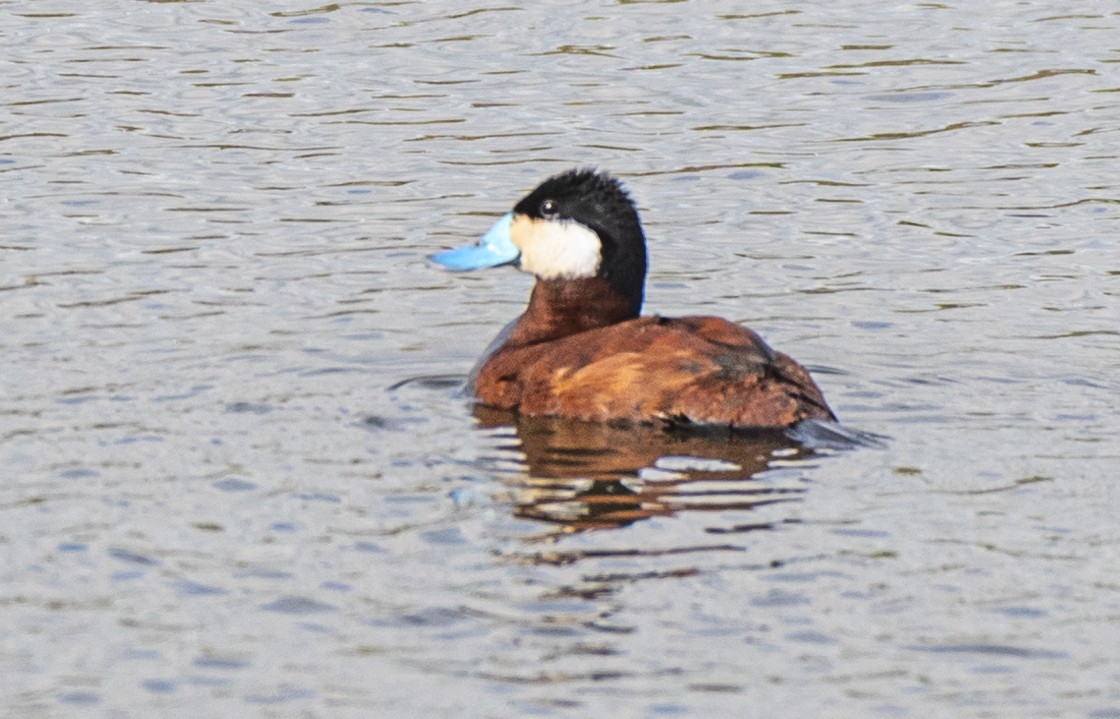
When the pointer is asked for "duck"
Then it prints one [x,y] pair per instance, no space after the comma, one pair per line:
[583,351]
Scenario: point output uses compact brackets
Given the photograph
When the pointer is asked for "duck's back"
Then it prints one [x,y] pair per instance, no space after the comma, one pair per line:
[701,370]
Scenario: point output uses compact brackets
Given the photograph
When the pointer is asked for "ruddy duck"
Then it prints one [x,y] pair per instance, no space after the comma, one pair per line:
[581,350]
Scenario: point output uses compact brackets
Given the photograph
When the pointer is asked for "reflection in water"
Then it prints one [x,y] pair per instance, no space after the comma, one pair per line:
[584,476]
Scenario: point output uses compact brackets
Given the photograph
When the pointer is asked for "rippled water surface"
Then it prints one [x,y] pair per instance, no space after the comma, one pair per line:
[238,477]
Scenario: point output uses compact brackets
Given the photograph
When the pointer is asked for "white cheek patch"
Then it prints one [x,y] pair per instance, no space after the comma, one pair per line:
[556,249]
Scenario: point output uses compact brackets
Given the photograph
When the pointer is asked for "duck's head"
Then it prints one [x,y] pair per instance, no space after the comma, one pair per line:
[576,225]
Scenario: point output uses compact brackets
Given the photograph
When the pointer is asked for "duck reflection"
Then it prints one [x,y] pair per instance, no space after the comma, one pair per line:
[586,476]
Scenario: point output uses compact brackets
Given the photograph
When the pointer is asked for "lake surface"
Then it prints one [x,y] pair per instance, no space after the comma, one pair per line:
[239,478]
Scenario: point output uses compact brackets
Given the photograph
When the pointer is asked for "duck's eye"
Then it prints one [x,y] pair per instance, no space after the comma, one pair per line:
[549,210]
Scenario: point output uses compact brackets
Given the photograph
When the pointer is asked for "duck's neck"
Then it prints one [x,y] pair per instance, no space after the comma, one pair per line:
[558,308]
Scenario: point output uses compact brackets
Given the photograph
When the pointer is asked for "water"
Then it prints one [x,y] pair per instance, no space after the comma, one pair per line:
[239,479]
